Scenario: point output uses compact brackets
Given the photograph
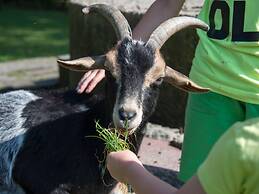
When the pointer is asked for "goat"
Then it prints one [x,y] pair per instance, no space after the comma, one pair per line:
[43,144]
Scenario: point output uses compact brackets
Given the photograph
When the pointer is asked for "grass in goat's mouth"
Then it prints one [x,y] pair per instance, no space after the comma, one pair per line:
[114,140]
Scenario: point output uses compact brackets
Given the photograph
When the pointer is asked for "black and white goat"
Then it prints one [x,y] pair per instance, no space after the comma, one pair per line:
[43,144]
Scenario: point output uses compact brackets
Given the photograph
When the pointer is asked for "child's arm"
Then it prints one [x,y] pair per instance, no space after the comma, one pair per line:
[125,167]
[157,13]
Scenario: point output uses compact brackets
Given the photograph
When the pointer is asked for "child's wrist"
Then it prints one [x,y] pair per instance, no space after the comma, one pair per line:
[134,172]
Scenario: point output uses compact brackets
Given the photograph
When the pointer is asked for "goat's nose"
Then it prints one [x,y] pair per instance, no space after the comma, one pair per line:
[126,115]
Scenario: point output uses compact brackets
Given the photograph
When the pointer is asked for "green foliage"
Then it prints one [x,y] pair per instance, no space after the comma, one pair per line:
[30,33]
[36,4]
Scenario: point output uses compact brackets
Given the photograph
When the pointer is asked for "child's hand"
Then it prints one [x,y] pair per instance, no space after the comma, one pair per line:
[123,165]
[90,80]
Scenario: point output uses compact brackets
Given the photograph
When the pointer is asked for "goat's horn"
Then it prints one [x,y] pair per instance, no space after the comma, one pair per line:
[114,16]
[165,30]
[182,82]
[84,64]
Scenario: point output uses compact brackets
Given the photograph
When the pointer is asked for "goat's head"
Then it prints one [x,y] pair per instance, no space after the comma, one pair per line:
[137,67]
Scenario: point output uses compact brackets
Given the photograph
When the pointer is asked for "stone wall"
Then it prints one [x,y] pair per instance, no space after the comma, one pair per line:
[93,35]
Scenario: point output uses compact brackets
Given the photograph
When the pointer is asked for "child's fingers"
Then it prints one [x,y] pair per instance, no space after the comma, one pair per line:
[84,82]
[96,79]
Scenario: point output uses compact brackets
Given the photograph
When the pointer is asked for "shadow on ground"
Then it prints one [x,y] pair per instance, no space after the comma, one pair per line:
[169,176]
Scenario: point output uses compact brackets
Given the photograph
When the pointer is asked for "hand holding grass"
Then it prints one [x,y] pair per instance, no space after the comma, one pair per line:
[114,141]
[121,163]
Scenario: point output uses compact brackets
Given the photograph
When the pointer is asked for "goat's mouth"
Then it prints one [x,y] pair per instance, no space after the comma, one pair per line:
[122,130]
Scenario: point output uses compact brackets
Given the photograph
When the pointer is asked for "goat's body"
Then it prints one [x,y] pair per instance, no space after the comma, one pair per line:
[44,146]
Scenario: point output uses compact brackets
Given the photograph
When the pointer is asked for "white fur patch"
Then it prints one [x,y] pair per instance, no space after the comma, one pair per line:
[11,133]
[128,104]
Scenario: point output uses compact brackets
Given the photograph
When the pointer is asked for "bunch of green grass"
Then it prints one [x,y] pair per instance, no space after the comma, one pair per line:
[114,140]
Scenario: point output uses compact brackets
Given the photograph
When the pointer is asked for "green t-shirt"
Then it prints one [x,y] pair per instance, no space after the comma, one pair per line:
[227,57]
[232,166]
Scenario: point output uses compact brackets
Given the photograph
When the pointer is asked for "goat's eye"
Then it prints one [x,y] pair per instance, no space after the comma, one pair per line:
[159,81]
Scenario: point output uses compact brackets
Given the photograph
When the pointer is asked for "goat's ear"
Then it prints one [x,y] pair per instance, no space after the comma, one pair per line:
[181,81]
[84,64]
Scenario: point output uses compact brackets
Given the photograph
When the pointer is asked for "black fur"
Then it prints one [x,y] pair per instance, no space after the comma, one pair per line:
[135,59]
[57,155]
